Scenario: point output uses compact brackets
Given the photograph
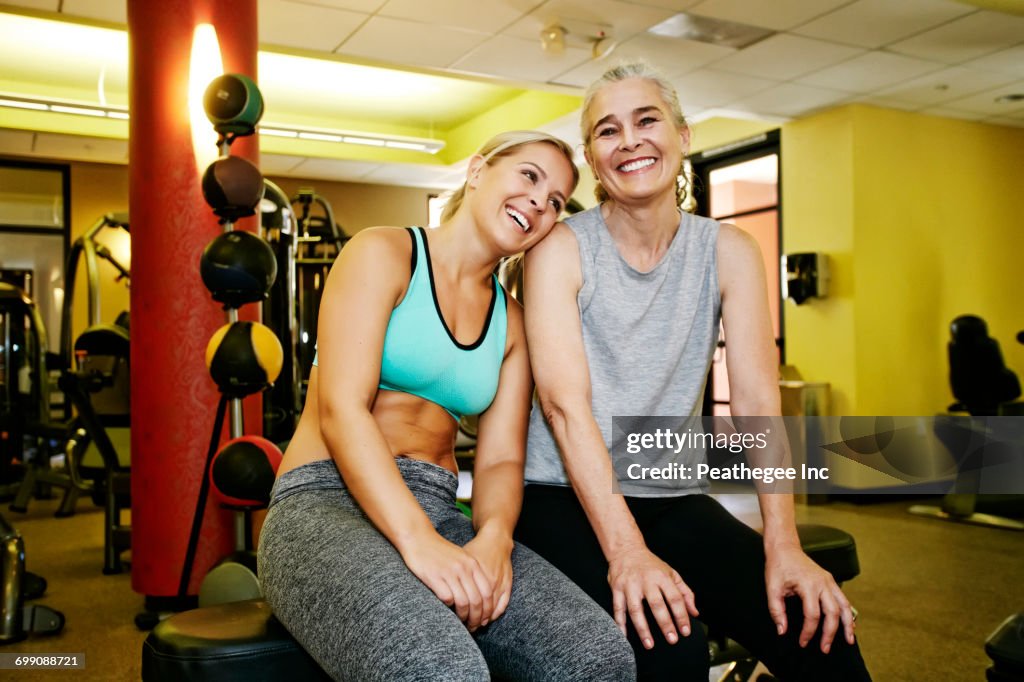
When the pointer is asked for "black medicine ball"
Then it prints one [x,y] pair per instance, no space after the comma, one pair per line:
[233,187]
[238,267]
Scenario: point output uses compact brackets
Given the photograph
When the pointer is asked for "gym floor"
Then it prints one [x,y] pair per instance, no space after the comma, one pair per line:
[929,592]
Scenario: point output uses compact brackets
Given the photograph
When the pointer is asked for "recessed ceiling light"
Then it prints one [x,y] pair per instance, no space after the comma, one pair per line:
[707,30]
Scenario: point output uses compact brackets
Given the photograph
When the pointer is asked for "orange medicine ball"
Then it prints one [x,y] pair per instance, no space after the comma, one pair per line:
[244,358]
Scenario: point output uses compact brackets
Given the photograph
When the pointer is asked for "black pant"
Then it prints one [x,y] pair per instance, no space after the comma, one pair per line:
[720,558]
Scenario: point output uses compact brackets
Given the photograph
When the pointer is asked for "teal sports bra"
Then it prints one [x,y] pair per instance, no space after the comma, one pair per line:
[421,355]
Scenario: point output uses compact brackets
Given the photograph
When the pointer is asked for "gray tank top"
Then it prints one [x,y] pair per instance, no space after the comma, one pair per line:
[649,337]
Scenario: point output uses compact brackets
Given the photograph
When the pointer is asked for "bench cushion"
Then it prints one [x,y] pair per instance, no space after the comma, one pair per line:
[239,641]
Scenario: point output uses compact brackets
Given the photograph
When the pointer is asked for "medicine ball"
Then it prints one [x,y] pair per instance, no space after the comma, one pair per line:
[233,187]
[238,267]
[243,471]
[233,104]
[244,358]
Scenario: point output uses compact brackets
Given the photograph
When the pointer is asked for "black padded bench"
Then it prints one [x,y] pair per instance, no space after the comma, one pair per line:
[243,641]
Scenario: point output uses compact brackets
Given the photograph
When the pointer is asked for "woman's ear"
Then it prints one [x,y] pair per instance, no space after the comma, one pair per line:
[684,136]
[476,165]
[586,155]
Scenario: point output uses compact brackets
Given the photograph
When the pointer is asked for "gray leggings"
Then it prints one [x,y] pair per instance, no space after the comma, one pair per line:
[343,591]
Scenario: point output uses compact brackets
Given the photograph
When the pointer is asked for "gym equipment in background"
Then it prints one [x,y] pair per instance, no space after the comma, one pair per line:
[1005,646]
[318,244]
[24,380]
[282,403]
[243,357]
[306,241]
[18,619]
[983,386]
[99,389]
[86,246]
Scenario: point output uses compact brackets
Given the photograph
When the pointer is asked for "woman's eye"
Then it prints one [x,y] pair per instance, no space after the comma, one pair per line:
[647,120]
[557,205]
[605,132]
[531,175]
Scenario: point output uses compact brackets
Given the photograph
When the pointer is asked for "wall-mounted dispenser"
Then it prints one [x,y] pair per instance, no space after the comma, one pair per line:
[804,275]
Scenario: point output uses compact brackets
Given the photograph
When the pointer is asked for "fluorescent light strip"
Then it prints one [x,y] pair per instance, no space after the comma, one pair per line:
[59,107]
[430,146]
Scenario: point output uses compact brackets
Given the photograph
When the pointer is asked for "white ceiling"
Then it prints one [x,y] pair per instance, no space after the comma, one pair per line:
[941,57]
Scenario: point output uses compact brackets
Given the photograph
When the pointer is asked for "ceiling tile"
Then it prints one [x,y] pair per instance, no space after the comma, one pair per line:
[948,84]
[410,43]
[15,142]
[985,102]
[1009,61]
[332,169]
[308,27]
[786,56]
[946,112]
[366,6]
[869,71]
[707,88]
[671,56]
[489,16]
[81,148]
[279,164]
[519,59]
[789,99]
[115,11]
[777,14]
[674,5]
[582,18]
[874,23]
[966,38]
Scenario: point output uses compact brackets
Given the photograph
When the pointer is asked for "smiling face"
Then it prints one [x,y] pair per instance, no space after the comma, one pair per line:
[519,195]
[633,142]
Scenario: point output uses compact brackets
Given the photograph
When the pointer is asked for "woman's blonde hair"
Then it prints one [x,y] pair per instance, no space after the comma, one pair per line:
[504,144]
[635,69]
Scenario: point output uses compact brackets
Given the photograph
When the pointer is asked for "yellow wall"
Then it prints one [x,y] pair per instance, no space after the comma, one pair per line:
[936,206]
[817,215]
[919,217]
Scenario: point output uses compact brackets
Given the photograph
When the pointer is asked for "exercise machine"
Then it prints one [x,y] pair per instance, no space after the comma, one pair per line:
[18,619]
[983,387]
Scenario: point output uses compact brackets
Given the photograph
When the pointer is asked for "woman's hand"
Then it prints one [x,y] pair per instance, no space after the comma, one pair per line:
[637,575]
[788,572]
[493,551]
[455,576]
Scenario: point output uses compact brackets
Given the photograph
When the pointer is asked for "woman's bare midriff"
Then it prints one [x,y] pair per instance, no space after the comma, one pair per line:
[413,428]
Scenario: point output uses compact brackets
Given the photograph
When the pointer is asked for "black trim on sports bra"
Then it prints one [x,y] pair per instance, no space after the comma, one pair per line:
[437,305]
[412,261]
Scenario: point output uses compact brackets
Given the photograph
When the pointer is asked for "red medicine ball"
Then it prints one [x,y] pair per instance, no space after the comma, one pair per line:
[243,471]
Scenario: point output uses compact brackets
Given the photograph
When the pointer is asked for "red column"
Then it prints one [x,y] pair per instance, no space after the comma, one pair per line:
[173,316]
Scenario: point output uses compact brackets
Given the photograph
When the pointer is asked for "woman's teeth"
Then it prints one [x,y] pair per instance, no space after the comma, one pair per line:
[636,165]
[520,219]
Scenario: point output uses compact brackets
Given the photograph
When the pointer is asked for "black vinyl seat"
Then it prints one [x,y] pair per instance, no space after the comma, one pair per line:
[243,640]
